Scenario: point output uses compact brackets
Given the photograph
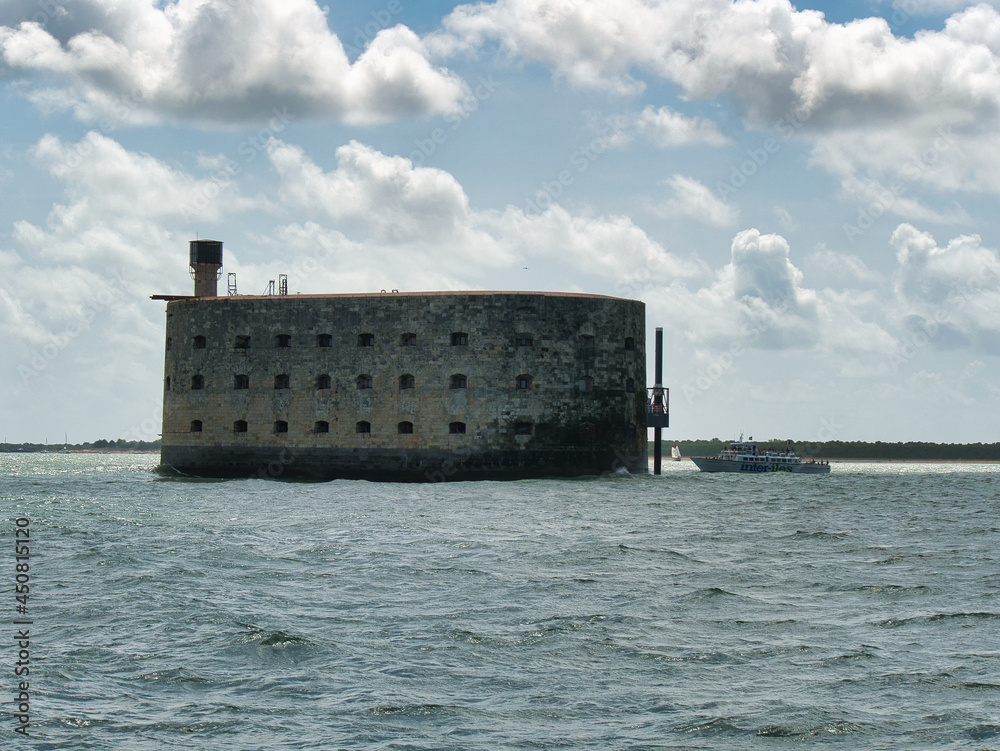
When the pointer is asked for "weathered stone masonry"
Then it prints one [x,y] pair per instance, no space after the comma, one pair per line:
[405,386]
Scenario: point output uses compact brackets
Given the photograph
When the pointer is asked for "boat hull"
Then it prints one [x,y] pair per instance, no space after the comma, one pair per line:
[706,464]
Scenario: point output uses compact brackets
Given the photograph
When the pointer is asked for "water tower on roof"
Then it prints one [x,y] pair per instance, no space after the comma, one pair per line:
[206,267]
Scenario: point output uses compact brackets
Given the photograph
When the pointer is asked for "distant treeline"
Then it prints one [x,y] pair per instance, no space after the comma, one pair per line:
[911,450]
[119,445]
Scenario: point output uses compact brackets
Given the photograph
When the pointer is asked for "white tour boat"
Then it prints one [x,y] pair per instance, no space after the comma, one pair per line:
[744,456]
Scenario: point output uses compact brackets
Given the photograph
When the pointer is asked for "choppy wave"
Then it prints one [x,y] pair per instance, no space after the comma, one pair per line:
[628,613]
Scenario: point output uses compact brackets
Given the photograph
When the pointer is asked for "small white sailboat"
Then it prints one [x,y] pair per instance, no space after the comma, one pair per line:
[675,453]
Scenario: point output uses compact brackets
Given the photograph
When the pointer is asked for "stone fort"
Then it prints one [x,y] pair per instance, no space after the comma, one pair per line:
[408,386]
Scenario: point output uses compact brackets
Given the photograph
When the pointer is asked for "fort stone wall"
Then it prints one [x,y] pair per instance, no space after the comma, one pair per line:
[405,386]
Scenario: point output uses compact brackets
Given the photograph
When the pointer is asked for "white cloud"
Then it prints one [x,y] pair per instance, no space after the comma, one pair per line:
[950,294]
[390,202]
[225,62]
[872,103]
[668,129]
[692,199]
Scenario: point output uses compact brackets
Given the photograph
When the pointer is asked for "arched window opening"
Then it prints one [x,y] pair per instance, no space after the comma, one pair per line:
[456,428]
[364,381]
[282,381]
[457,381]
[407,381]
[321,426]
[240,426]
[280,426]
[241,381]
[323,381]
[405,427]
[363,427]
[196,426]
[197,382]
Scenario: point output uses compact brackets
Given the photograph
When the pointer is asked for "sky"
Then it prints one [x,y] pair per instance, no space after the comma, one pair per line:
[804,195]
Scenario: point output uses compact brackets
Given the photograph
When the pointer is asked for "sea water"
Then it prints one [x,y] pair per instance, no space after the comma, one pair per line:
[856,610]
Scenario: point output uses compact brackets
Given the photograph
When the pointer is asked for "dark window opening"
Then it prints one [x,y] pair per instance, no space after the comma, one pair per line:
[196,426]
[283,340]
[630,384]
[366,340]
[408,339]
[524,381]
[321,426]
[456,428]
[323,381]
[363,427]
[281,381]
[587,341]
[324,340]
[242,342]
[457,381]
[459,339]
[407,381]
[405,427]
[629,343]
[364,381]
[280,426]
[240,426]
[199,342]
[166,385]
[524,428]
[524,340]
[170,341]
[586,384]
[197,382]
[241,381]
[588,431]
